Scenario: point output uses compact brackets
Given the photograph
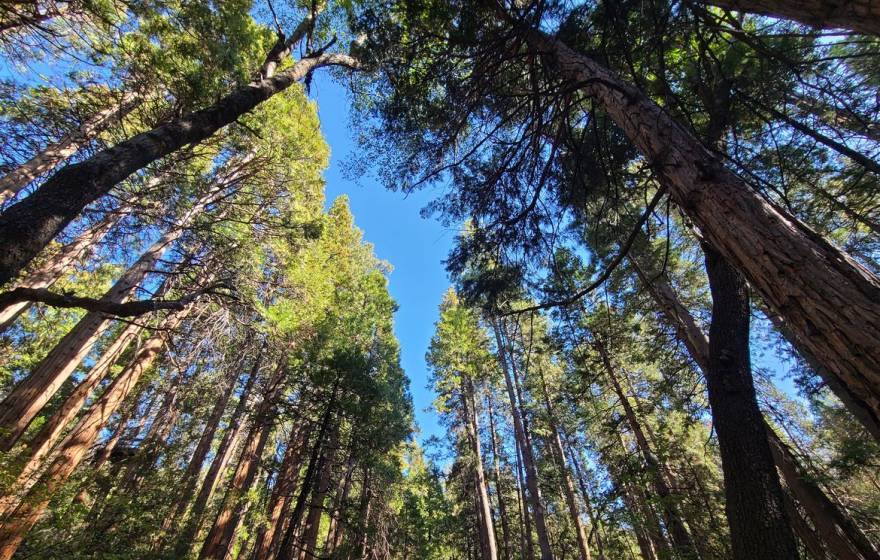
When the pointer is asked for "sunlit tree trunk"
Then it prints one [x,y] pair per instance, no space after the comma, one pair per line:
[55,153]
[862,16]
[496,463]
[585,495]
[39,448]
[77,443]
[526,450]
[27,399]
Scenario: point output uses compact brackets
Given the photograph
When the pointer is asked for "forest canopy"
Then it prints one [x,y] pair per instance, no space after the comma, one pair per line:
[661,338]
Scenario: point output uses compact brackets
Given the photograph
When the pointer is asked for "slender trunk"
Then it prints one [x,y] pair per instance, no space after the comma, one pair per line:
[27,399]
[525,523]
[194,467]
[585,494]
[66,146]
[56,266]
[334,532]
[220,538]
[39,448]
[526,449]
[29,225]
[286,547]
[830,302]
[678,533]
[222,456]
[759,527]
[833,525]
[79,440]
[861,16]
[804,532]
[567,483]
[319,496]
[496,462]
[488,547]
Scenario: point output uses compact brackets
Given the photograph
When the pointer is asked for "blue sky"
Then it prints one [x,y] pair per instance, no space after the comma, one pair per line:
[415,247]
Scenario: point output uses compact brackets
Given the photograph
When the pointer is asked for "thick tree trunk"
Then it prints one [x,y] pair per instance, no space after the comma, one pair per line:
[759,526]
[56,266]
[80,439]
[568,490]
[488,546]
[24,402]
[678,532]
[66,146]
[534,493]
[222,456]
[220,538]
[862,16]
[830,302]
[39,448]
[835,528]
[29,225]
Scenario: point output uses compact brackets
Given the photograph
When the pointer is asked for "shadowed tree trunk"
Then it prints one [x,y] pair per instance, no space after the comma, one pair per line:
[488,547]
[80,439]
[319,496]
[496,463]
[55,153]
[862,16]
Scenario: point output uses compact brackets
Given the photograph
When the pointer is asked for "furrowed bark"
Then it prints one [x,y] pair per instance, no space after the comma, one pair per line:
[862,16]
[79,440]
[830,302]
[31,395]
[28,226]
[534,493]
[66,146]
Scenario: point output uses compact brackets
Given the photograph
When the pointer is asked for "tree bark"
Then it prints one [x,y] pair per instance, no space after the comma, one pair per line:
[55,153]
[79,440]
[833,525]
[829,300]
[56,266]
[220,538]
[496,462]
[319,496]
[39,448]
[488,545]
[759,526]
[29,225]
[525,448]
[24,402]
[862,16]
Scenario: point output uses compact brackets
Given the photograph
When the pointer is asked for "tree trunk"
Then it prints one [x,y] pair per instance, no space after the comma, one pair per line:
[79,440]
[55,153]
[833,524]
[567,483]
[222,456]
[56,266]
[496,462]
[319,496]
[220,538]
[525,448]
[29,225]
[862,16]
[24,402]
[831,303]
[335,530]
[585,494]
[759,526]
[488,547]
[525,524]
[678,533]
[39,448]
